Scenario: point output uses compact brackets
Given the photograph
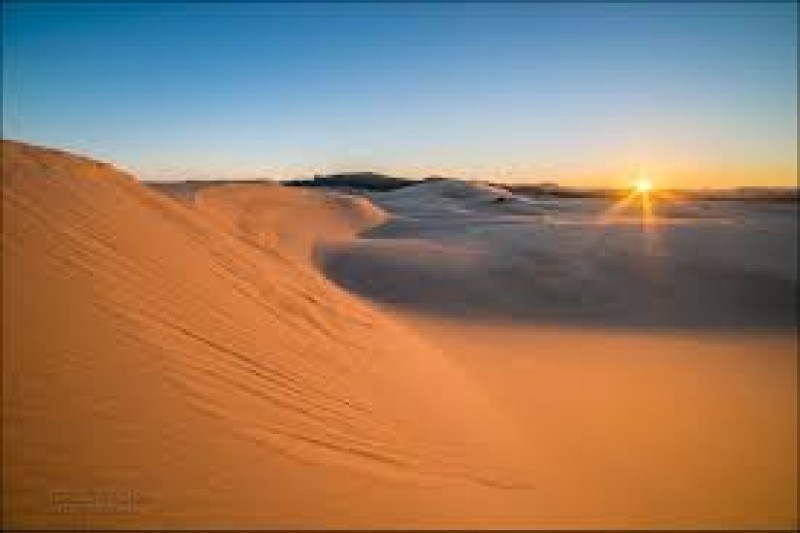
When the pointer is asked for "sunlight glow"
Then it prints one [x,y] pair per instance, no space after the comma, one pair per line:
[643,185]
[639,203]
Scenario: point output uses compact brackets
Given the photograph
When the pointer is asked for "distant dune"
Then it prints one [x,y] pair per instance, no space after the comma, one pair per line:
[254,355]
[502,257]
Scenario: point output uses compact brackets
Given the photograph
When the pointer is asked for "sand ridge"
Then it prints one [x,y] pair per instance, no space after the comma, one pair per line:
[167,336]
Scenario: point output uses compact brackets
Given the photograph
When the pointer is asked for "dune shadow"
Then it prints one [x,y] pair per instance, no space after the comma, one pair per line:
[536,273]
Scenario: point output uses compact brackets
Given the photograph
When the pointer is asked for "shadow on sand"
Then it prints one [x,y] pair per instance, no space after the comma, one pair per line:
[699,277]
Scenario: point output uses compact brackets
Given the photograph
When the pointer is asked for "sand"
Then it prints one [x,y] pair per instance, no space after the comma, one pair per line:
[251,355]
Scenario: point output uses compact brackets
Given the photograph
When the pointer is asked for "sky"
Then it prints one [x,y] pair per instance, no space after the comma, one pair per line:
[693,95]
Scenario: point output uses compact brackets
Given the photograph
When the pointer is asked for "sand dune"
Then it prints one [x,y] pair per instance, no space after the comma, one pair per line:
[147,349]
[575,265]
[198,355]
[268,216]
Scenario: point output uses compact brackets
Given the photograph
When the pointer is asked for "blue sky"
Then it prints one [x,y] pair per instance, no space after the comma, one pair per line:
[696,94]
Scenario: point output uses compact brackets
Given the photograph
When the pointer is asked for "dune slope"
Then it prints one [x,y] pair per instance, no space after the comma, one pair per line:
[151,351]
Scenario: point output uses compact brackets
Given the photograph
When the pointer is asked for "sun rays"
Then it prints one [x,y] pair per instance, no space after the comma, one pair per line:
[637,207]
[648,218]
[642,192]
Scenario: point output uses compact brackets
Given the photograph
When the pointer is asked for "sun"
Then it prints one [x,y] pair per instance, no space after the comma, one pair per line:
[643,185]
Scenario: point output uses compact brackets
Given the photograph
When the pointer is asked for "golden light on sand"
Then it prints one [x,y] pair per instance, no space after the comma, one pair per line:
[261,365]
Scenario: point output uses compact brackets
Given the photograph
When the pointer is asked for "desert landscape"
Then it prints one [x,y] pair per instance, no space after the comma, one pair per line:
[255,354]
[400,266]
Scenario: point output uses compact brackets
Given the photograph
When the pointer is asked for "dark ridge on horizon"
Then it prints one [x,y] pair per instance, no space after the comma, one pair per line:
[361,181]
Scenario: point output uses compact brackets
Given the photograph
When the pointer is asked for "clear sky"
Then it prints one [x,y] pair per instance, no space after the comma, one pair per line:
[584,94]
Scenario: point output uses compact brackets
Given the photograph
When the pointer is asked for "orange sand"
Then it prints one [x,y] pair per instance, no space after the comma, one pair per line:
[189,355]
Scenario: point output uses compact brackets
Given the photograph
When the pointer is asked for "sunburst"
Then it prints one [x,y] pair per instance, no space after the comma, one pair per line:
[643,185]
